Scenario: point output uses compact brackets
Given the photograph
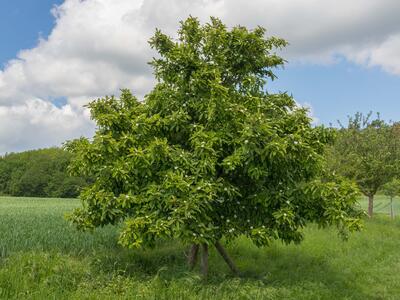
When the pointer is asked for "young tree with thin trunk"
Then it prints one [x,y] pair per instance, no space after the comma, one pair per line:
[208,154]
[392,189]
[368,152]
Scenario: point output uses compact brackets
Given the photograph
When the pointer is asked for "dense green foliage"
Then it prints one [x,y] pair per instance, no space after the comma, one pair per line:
[42,257]
[368,152]
[209,153]
[38,173]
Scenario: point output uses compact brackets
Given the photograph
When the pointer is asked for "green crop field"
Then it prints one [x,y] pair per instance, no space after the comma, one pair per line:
[43,257]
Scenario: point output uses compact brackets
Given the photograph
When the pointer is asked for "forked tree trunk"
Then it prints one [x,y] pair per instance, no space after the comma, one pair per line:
[194,253]
[192,257]
[226,257]
[204,260]
[370,205]
[391,208]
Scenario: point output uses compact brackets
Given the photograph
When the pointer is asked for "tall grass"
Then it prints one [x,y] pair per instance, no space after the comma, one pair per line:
[42,257]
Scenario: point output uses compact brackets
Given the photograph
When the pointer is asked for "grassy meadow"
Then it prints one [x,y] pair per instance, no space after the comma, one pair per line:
[43,257]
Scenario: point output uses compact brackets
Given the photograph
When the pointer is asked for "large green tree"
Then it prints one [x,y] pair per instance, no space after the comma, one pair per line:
[367,151]
[208,153]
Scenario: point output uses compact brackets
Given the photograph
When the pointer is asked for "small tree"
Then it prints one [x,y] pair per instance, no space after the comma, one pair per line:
[367,151]
[392,189]
[208,153]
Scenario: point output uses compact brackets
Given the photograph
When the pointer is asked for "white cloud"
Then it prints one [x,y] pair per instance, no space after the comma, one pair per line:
[385,55]
[100,46]
[39,124]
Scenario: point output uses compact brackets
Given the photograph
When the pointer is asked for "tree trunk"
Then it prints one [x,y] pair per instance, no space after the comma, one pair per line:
[370,205]
[192,257]
[391,208]
[204,260]
[226,257]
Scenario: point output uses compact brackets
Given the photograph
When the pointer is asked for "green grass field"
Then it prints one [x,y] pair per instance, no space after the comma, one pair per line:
[382,204]
[43,257]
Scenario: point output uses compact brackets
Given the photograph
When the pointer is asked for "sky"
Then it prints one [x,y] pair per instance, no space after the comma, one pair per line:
[56,56]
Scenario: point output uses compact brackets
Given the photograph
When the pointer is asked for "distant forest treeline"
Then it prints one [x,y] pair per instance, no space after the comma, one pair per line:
[38,173]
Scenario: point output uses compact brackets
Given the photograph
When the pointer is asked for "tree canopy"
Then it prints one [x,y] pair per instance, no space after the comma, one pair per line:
[209,153]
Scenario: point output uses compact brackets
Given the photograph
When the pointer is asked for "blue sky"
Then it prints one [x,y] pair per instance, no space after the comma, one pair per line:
[22,22]
[337,90]
[339,63]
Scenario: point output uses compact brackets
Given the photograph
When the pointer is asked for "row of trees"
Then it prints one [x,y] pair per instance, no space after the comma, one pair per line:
[39,173]
[367,151]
